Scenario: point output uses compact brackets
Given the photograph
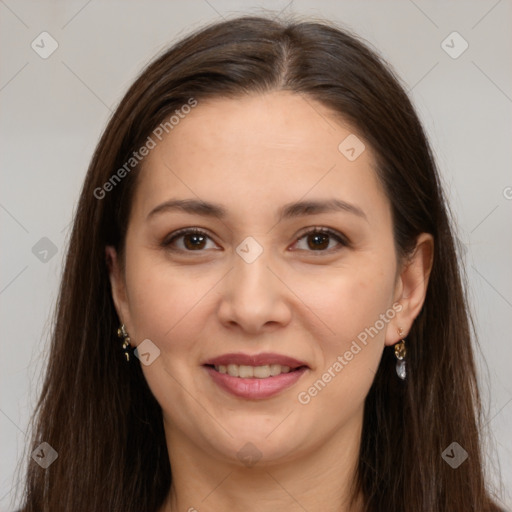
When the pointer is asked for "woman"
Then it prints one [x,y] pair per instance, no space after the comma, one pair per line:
[261,307]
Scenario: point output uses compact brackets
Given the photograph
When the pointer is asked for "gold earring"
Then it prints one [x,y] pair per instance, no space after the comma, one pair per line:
[121,333]
[400,352]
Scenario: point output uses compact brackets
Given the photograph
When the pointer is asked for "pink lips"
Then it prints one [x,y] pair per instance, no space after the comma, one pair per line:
[254,388]
[255,360]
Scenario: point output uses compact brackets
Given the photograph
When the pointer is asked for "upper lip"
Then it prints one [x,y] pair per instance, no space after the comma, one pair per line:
[255,360]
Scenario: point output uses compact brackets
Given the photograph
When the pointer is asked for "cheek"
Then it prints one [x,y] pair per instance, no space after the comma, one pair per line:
[165,300]
[348,301]
[356,307]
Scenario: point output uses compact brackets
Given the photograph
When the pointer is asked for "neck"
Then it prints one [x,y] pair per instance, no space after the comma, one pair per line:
[318,480]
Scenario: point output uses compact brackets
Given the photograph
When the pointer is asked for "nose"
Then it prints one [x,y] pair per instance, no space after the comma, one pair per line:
[254,297]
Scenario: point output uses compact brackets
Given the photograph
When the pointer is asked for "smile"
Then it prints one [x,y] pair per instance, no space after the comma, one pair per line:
[248,372]
[243,385]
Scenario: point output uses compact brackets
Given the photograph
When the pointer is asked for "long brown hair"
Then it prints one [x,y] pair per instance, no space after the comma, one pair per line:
[98,412]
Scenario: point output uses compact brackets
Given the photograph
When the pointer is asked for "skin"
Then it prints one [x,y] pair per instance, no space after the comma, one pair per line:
[253,155]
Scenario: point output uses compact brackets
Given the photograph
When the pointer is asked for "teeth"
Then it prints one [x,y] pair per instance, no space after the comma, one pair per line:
[233,370]
[275,369]
[247,372]
[261,372]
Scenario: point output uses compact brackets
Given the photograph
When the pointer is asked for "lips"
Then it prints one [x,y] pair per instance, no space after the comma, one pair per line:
[289,371]
[255,360]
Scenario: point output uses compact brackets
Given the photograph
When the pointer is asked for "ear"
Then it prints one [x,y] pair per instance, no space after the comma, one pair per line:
[411,288]
[118,284]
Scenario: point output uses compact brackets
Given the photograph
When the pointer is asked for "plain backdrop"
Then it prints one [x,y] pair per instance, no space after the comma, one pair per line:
[54,109]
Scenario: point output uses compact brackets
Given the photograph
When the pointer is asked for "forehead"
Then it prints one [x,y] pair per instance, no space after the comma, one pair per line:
[282,123]
[273,147]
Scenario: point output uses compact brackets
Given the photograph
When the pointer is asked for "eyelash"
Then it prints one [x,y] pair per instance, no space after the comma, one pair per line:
[342,240]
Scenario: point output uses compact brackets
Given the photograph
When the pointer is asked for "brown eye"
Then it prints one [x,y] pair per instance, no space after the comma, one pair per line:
[318,241]
[187,240]
[321,240]
[194,241]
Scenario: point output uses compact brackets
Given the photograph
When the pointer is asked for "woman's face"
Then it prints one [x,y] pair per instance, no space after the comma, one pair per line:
[257,290]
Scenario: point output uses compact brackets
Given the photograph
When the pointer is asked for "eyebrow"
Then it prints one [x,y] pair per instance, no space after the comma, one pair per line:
[288,211]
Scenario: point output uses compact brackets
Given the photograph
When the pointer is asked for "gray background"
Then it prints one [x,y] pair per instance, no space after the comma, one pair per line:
[53,111]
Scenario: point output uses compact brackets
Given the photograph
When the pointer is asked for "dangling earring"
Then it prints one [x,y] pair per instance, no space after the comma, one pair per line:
[121,332]
[400,353]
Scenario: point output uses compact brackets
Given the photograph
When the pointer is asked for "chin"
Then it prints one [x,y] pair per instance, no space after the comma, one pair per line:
[256,446]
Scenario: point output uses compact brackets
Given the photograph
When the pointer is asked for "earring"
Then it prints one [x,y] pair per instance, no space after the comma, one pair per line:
[121,333]
[400,352]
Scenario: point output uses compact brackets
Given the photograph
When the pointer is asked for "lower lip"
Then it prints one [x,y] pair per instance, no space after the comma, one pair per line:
[255,389]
